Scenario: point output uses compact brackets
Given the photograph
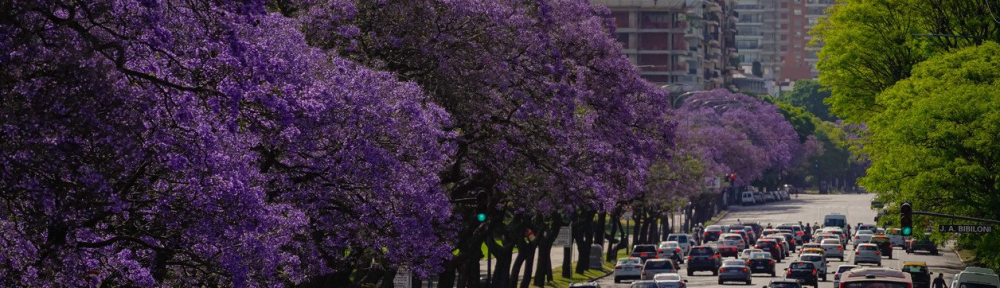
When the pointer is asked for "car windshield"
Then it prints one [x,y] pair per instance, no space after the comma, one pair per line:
[659,265]
[701,251]
[833,222]
[785,285]
[801,265]
[874,284]
[761,256]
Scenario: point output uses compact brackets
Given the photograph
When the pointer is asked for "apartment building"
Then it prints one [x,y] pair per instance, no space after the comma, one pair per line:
[684,45]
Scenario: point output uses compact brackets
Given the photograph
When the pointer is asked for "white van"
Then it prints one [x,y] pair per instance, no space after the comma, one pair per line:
[835,220]
[976,277]
[747,198]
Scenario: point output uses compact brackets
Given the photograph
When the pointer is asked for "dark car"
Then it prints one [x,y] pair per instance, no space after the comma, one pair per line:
[803,271]
[884,245]
[772,247]
[784,283]
[645,252]
[728,251]
[703,258]
[761,263]
[918,273]
[746,237]
[923,244]
[790,238]
[711,233]
[735,270]
[757,228]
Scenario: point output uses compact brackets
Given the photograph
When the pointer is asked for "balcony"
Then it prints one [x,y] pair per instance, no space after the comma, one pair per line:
[714,7]
[694,33]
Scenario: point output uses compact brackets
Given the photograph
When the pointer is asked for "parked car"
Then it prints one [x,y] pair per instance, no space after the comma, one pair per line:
[768,197]
[867,253]
[628,268]
[585,285]
[703,258]
[922,244]
[759,198]
[735,270]
[644,251]
[840,272]
[803,271]
[655,266]
[918,273]
[973,277]
[761,262]
[746,198]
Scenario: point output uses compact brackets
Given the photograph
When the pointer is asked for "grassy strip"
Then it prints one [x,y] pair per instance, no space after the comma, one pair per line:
[716,219]
[560,282]
[968,256]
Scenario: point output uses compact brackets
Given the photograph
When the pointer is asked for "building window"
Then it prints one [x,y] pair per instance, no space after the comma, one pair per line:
[784,36]
[654,41]
[784,47]
[623,39]
[784,15]
[797,11]
[784,4]
[621,19]
[655,20]
[798,33]
[784,26]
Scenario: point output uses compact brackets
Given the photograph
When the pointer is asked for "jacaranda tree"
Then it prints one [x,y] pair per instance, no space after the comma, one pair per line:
[204,143]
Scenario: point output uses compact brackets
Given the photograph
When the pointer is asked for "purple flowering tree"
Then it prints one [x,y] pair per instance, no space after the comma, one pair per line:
[204,143]
[553,123]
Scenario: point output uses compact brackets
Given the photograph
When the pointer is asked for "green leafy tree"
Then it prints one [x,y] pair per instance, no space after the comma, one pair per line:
[935,144]
[809,95]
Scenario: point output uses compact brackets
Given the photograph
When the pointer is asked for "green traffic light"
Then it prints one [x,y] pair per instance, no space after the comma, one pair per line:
[907,231]
[481,217]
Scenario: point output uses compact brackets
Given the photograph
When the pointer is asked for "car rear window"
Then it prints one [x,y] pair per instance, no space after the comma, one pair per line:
[713,228]
[702,251]
[874,284]
[811,258]
[658,265]
[867,248]
[915,269]
[766,243]
[841,269]
[834,222]
[785,285]
[627,261]
[644,248]
[734,237]
[734,263]
[761,256]
[801,265]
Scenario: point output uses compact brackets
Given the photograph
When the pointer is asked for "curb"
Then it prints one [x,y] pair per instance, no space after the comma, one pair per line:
[721,215]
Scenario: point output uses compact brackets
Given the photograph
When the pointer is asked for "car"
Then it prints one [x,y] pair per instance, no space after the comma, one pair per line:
[871,277]
[784,283]
[837,231]
[758,198]
[918,273]
[761,262]
[703,258]
[923,244]
[686,241]
[795,229]
[768,197]
[727,251]
[644,284]
[790,239]
[655,266]
[585,285]
[751,234]
[746,198]
[835,220]
[669,280]
[644,251]
[867,253]
[883,244]
[732,239]
[840,272]
[803,271]
[896,237]
[810,245]
[784,194]
[769,232]
[712,233]
[770,246]
[819,261]
[781,241]
[819,251]
[739,230]
[820,237]
[866,226]
[734,270]
[862,236]
[975,277]
[746,253]
[628,268]
[670,250]
[833,249]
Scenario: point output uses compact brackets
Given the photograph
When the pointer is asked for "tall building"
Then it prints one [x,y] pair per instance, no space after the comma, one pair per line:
[685,45]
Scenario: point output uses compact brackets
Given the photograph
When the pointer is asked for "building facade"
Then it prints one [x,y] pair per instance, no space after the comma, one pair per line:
[684,45]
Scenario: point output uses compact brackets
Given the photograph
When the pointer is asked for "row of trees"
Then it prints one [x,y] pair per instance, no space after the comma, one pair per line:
[922,77]
[330,143]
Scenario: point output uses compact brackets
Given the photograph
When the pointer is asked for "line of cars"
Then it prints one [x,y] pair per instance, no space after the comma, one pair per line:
[756,198]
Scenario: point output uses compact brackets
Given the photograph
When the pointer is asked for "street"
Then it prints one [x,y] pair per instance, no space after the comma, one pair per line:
[811,209]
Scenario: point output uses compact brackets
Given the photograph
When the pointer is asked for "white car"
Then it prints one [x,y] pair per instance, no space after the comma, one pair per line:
[819,238]
[745,255]
[747,198]
[840,271]
[670,250]
[976,277]
[862,236]
[685,240]
[818,260]
[833,249]
[896,237]
[867,253]
[669,280]
[735,240]
[628,268]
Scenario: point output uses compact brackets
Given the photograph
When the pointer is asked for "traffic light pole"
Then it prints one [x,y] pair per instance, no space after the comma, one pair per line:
[956,217]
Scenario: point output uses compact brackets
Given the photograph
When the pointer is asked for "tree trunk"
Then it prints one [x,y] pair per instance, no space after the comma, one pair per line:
[530,258]
[582,233]
[613,246]
[636,222]
[545,240]
[601,232]
[503,254]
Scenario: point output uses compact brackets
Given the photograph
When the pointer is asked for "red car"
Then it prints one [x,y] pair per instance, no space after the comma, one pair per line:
[728,251]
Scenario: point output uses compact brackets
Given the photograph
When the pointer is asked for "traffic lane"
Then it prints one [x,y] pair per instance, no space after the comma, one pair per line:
[706,279]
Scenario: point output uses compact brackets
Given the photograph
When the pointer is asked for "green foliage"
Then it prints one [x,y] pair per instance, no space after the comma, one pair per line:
[809,95]
[936,142]
[802,121]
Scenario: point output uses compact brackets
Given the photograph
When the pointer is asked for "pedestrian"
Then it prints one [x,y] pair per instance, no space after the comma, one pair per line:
[808,228]
[939,281]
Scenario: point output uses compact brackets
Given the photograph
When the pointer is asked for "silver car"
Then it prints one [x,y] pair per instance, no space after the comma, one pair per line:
[867,253]
[735,270]
[657,266]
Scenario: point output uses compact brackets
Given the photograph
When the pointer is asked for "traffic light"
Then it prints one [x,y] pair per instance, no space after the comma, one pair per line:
[481,217]
[732,177]
[906,219]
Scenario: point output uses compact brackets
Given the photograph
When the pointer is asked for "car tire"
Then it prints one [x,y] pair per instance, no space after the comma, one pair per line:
[690,272]
[720,282]
[841,259]
[824,276]
[749,282]
[879,264]
[618,280]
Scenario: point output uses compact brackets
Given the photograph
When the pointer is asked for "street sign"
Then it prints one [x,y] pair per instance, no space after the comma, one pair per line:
[965,229]
[565,237]
[402,279]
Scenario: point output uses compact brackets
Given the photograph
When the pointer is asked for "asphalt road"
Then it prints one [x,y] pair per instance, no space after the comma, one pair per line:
[811,209]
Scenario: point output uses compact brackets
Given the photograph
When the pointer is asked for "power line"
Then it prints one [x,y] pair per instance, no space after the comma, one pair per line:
[990,10]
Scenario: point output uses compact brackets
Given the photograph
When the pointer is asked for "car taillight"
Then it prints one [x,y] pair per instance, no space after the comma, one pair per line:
[659,250]
[789,273]
[857,237]
[718,232]
[857,252]
[836,276]
[772,262]
[744,269]
[890,246]
[706,233]
[618,267]
[909,285]
[656,255]
[878,253]
[722,269]
[689,257]
[840,248]
[741,242]
[800,233]
[678,250]
[814,271]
